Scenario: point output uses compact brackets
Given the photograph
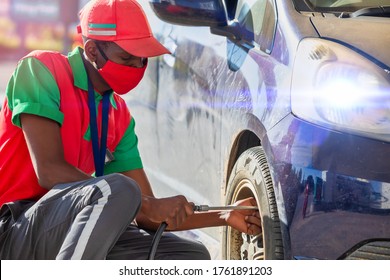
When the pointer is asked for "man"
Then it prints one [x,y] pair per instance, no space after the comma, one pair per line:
[71,179]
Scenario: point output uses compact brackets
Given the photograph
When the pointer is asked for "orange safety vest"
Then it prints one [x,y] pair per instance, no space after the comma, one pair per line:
[18,180]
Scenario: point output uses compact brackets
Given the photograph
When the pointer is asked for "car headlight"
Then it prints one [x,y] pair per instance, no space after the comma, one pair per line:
[336,87]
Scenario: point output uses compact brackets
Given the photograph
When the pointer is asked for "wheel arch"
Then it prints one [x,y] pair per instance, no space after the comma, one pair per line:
[245,140]
[251,135]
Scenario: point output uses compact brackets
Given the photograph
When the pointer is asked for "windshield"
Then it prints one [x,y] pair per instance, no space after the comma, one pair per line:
[339,5]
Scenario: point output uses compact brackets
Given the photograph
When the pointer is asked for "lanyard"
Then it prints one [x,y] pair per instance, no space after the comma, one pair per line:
[99,153]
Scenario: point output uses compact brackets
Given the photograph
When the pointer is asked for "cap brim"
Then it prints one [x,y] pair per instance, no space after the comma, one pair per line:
[143,47]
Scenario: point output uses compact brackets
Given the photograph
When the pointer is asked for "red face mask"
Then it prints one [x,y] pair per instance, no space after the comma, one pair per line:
[121,78]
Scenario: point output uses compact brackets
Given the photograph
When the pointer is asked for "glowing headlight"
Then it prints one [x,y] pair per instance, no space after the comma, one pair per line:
[336,87]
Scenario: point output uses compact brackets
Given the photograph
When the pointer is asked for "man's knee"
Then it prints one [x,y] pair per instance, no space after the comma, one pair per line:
[121,183]
[122,189]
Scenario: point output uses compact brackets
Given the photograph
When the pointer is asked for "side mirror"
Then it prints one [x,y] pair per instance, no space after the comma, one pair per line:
[210,13]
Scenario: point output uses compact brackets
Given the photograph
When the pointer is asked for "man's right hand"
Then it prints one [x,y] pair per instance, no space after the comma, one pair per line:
[172,210]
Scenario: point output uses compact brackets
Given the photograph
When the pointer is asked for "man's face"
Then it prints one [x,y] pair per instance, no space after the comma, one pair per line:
[116,68]
[116,54]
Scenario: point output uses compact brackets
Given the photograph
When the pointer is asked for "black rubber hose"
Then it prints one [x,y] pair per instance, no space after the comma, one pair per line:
[156,240]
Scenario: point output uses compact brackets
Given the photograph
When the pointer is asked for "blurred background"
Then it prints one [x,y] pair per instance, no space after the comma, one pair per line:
[27,25]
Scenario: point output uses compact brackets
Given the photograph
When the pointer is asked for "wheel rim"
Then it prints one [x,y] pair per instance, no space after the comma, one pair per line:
[241,246]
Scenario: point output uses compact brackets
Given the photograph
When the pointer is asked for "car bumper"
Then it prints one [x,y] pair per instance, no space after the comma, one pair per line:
[332,187]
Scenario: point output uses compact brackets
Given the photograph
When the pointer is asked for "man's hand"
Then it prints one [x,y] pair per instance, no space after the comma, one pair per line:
[247,221]
[172,210]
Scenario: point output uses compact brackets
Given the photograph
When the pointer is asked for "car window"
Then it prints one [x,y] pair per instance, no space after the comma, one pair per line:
[340,5]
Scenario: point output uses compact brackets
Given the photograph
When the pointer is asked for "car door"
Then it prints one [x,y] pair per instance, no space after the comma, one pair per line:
[204,93]
[189,112]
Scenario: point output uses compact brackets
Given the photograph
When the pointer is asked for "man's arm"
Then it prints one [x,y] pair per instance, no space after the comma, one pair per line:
[178,213]
[44,142]
[43,138]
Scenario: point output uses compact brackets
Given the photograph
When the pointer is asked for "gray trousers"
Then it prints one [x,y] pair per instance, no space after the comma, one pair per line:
[90,219]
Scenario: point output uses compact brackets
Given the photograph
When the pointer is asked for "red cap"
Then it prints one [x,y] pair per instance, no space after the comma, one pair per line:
[120,21]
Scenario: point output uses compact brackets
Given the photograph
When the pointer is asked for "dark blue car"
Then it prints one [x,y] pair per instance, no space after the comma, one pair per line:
[287,101]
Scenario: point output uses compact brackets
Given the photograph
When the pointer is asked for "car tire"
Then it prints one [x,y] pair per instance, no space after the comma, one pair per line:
[251,177]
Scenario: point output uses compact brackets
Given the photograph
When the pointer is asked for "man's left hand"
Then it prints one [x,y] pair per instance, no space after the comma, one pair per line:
[247,221]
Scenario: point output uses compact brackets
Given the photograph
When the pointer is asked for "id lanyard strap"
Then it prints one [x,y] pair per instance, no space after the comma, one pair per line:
[99,153]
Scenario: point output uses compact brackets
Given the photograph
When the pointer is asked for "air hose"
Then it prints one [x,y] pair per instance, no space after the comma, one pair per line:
[197,208]
[156,240]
